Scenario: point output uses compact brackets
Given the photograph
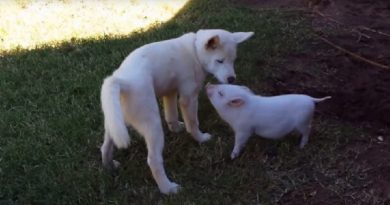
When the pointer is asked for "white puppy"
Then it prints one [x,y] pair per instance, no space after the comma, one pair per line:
[164,69]
[269,117]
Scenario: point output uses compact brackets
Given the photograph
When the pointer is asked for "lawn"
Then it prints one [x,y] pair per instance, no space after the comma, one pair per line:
[29,24]
[51,125]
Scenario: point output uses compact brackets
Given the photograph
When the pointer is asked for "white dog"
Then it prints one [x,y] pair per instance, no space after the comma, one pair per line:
[164,69]
[269,117]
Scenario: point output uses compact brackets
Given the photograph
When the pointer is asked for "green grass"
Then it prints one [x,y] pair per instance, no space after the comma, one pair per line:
[51,123]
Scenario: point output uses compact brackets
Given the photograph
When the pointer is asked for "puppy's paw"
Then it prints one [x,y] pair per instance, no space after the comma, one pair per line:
[302,144]
[176,126]
[234,155]
[204,137]
[112,167]
[171,188]
[115,164]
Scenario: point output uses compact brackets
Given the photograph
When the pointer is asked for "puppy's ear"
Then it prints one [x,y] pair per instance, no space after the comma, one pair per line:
[212,43]
[239,37]
[236,102]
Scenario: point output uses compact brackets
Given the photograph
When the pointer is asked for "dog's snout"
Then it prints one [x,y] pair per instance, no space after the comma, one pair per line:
[231,79]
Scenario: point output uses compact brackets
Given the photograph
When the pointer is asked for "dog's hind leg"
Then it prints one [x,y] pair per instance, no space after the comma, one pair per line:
[147,121]
[171,113]
[154,138]
[152,131]
[107,150]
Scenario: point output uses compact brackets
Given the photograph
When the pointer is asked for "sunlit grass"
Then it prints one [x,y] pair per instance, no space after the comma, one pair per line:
[30,23]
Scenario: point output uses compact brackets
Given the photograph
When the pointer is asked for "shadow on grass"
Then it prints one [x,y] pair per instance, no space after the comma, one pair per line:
[51,123]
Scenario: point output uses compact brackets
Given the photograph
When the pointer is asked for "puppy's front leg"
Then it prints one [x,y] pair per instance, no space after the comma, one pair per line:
[189,109]
[240,139]
[171,114]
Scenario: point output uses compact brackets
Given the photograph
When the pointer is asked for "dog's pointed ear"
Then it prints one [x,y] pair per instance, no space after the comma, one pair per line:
[239,37]
[212,43]
[236,102]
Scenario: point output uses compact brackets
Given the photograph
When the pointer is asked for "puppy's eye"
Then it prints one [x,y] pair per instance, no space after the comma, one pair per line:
[220,93]
[220,61]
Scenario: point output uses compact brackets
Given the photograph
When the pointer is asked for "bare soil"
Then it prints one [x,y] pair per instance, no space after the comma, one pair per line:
[360,90]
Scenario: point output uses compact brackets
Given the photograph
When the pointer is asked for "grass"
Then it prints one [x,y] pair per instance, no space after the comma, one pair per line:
[29,24]
[51,123]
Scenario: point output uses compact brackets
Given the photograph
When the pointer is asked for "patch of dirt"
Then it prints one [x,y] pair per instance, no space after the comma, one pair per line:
[375,160]
[369,185]
[360,90]
[311,194]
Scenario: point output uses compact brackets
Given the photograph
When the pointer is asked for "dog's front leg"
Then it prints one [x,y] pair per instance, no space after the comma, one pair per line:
[189,109]
[240,140]
[171,114]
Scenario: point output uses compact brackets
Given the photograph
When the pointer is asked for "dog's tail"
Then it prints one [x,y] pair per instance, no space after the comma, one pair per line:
[114,122]
[316,100]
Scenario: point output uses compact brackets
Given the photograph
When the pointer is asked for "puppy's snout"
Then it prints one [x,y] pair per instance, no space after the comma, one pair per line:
[209,92]
[209,89]
[231,79]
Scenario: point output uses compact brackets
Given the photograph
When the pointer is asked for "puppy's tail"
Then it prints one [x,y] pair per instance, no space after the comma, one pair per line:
[114,122]
[316,100]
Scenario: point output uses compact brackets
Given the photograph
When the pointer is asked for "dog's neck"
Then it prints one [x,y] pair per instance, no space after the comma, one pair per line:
[195,48]
[200,72]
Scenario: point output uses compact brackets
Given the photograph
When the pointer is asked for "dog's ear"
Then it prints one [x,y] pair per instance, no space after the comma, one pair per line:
[212,43]
[236,102]
[239,37]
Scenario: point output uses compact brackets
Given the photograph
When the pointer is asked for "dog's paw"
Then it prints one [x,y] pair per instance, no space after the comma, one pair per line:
[234,155]
[302,144]
[176,126]
[116,164]
[204,137]
[112,167]
[171,188]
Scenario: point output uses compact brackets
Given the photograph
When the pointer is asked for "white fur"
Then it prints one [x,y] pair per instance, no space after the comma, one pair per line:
[164,69]
[269,117]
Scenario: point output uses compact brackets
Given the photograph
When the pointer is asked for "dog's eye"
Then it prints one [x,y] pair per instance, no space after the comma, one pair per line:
[220,93]
[220,61]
